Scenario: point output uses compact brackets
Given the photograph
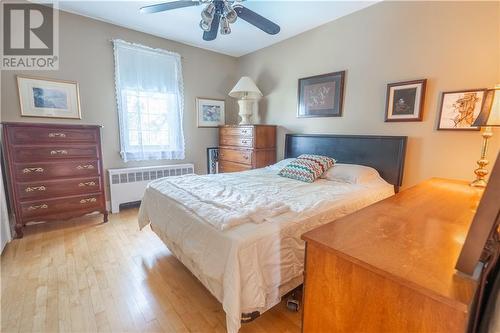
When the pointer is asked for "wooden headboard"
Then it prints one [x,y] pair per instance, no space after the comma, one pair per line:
[386,154]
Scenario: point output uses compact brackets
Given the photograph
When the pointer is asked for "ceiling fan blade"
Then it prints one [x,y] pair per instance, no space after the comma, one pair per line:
[212,33]
[255,19]
[160,7]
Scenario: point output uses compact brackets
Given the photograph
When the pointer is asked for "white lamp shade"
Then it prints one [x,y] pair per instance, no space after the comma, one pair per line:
[490,111]
[245,88]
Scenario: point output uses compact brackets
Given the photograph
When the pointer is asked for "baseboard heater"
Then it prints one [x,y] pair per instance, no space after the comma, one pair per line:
[128,184]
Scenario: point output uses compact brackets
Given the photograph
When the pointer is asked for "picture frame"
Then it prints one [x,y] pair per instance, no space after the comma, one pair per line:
[48,98]
[210,112]
[459,109]
[405,101]
[212,160]
[321,95]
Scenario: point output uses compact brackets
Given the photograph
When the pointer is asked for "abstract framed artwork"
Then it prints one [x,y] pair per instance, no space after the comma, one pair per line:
[212,160]
[210,112]
[459,109]
[321,95]
[48,98]
[405,101]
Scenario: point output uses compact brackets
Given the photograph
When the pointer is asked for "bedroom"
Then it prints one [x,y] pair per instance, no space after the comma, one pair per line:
[76,273]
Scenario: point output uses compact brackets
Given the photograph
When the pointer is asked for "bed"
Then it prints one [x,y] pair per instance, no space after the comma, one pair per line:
[239,233]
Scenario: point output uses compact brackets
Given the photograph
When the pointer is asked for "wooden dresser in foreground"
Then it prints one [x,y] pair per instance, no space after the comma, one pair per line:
[245,147]
[55,171]
[390,267]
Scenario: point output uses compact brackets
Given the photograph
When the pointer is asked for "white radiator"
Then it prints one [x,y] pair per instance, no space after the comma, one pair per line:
[128,184]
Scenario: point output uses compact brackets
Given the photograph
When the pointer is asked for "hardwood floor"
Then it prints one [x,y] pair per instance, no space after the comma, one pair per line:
[85,276]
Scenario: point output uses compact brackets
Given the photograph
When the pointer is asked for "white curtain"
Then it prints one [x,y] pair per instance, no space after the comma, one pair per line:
[5,235]
[150,98]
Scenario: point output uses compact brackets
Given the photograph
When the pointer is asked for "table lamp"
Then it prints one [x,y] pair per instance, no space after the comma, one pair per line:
[488,117]
[248,94]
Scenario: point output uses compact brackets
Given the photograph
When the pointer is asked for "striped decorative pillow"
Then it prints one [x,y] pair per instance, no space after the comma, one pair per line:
[307,168]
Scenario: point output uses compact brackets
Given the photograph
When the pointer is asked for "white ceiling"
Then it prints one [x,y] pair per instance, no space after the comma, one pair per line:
[294,17]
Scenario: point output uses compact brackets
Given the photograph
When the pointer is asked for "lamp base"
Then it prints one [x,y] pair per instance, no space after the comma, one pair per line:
[481,171]
[246,119]
[478,183]
[246,110]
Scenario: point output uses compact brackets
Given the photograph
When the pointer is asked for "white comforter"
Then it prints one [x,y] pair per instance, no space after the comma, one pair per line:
[247,258]
[225,202]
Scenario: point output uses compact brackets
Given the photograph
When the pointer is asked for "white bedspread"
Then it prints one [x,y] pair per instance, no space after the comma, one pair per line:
[247,265]
[222,201]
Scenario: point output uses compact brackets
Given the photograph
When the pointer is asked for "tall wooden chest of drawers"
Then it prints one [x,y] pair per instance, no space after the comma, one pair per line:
[54,171]
[245,147]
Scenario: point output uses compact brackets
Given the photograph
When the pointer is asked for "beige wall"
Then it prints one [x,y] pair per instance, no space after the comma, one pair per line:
[86,56]
[455,45]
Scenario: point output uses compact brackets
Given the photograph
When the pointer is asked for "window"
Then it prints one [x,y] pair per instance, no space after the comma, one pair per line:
[150,98]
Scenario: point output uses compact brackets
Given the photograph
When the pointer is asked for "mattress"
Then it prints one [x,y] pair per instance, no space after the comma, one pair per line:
[249,267]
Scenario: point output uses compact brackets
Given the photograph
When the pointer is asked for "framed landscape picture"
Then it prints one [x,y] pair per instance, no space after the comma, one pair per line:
[48,98]
[321,95]
[210,112]
[405,101]
[459,109]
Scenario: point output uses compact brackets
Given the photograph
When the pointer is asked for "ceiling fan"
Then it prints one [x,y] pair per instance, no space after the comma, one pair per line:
[218,12]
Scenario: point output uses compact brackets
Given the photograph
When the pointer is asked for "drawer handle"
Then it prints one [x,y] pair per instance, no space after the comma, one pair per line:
[245,157]
[87,184]
[42,206]
[57,135]
[84,201]
[30,170]
[87,166]
[244,142]
[35,188]
[58,152]
[244,131]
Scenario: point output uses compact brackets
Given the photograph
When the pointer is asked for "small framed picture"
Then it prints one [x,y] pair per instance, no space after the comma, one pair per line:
[212,160]
[405,101]
[459,109]
[321,95]
[210,112]
[48,98]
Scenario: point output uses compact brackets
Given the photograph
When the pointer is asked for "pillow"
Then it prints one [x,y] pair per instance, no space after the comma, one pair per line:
[351,173]
[281,164]
[307,168]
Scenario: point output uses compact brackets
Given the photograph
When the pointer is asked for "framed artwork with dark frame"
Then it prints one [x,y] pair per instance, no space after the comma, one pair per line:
[405,101]
[459,109]
[321,95]
[212,160]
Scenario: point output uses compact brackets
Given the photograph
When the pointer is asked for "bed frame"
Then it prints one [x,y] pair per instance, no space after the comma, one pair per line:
[386,154]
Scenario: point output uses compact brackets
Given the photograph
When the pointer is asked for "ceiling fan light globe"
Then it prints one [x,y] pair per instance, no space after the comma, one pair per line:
[206,16]
[205,25]
[208,13]
[231,16]
[225,29]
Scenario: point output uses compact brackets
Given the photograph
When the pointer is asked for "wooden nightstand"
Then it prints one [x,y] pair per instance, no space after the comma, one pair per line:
[245,147]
